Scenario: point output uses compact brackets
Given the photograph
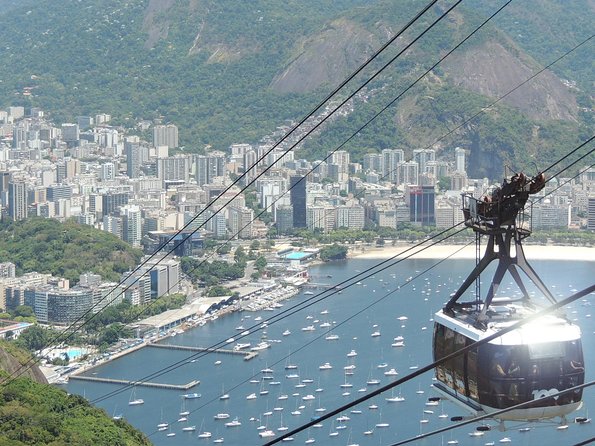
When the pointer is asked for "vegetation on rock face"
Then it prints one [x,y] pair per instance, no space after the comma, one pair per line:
[65,249]
[38,414]
[222,61]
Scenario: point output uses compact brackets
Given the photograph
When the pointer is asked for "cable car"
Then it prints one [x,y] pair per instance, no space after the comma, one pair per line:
[530,363]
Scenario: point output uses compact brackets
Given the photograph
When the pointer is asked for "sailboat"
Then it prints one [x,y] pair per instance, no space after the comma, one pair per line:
[133,400]
[223,396]
[183,410]
[395,399]
[203,434]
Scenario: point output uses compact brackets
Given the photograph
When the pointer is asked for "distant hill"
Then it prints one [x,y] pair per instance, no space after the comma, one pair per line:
[65,249]
[233,71]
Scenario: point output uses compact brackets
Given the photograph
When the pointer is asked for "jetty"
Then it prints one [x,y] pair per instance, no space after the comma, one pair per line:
[186,386]
[248,355]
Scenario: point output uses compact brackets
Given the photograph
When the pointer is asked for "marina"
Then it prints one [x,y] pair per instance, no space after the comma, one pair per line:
[298,388]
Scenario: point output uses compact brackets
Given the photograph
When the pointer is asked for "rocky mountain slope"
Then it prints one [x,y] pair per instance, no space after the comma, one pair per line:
[232,71]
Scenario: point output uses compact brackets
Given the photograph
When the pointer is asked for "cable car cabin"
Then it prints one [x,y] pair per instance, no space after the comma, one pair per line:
[527,364]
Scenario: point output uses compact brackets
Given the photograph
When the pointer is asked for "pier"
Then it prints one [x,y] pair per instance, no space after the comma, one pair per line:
[186,386]
[247,355]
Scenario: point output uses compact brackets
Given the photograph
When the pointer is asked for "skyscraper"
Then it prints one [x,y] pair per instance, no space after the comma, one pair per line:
[422,205]
[390,161]
[174,168]
[17,200]
[208,167]
[133,159]
[131,225]
[298,200]
[460,159]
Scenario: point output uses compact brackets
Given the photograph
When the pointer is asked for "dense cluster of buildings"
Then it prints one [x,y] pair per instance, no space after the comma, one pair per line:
[105,177]
[55,302]
[137,190]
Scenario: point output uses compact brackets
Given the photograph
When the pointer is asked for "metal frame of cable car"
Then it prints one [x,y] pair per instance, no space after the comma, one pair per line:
[500,217]
[526,364]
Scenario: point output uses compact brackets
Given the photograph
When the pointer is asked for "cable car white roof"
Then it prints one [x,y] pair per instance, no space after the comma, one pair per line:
[546,329]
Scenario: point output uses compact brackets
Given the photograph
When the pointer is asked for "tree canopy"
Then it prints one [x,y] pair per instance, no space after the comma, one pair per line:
[65,250]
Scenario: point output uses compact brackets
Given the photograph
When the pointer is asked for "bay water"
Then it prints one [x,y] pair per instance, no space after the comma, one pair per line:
[366,317]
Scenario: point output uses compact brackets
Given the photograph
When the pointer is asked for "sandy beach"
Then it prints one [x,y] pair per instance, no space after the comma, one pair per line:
[532,252]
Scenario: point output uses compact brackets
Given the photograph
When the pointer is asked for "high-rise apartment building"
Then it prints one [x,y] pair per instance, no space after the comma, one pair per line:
[208,167]
[174,168]
[408,173]
[460,159]
[131,225]
[391,158]
[422,157]
[17,200]
[165,135]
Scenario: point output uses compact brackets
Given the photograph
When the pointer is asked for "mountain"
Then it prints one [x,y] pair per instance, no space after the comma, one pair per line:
[233,71]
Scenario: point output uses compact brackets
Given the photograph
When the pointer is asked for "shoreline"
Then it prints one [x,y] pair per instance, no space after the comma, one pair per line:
[532,252]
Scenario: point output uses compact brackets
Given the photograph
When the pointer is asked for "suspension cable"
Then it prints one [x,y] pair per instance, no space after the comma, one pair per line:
[65,335]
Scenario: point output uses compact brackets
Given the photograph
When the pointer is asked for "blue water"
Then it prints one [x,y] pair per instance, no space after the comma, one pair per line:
[355,313]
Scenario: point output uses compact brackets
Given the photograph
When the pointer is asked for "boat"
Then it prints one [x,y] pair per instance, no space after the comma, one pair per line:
[309,328]
[266,433]
[241,345]
[308,293]
[191,396]
[252,396]
[133,400]
[170,434]
[188,428]
[234,423]
[204,434]
[391,372]
[332,337]
[351,354]
[325,366]
[260,346]
[218,440]
[286,333]
[221,416]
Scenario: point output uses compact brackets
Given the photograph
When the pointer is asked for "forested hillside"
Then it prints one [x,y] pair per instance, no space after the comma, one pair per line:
[65,249]
[228,72]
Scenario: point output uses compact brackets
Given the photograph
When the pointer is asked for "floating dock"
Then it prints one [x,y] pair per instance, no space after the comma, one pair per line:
[186,386]
[248,355]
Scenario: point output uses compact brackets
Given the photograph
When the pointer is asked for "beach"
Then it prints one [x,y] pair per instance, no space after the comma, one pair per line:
[532,252]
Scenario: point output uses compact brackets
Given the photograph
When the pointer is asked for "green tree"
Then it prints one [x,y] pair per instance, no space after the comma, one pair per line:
[333,252]
[33,338]
[240,256]
[23,311]
[224,249]
[218,291]
[260,264]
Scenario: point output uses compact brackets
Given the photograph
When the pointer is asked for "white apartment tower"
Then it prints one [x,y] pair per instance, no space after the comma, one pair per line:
[460,160]
[165,135]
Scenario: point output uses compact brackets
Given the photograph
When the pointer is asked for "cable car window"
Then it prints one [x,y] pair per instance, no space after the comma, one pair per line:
[458,364]
[546,350]
[472,372]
